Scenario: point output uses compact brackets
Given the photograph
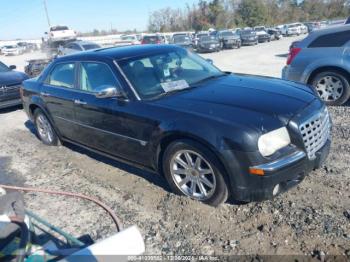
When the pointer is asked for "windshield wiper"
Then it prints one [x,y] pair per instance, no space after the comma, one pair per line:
[208,78]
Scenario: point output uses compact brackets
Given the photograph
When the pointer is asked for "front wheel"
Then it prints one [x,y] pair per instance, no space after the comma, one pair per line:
[333,87]
[193,171]
[45,130]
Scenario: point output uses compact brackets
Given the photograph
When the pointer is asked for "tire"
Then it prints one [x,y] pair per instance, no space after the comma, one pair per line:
[44,129]
[215,185]
[326,84]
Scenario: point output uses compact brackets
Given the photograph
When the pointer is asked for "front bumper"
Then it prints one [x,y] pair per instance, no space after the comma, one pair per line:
[286,172]
[10,103]
[249,41]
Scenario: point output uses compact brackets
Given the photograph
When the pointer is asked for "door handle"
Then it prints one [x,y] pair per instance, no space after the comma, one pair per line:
[79,102]
[44,94]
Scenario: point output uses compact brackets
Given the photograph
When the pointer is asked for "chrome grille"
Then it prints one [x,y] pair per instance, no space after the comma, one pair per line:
[315,132]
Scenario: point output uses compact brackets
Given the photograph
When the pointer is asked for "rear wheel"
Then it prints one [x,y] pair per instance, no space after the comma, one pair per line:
[45,130]
[333,87]
[192,170]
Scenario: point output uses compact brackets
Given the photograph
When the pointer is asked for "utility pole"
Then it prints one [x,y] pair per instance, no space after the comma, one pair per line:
[47,13]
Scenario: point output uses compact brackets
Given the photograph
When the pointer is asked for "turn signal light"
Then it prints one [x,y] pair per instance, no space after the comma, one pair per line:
[255,171]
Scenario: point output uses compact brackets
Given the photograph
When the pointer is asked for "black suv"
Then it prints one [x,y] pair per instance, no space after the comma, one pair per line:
[212,134]
[10,82]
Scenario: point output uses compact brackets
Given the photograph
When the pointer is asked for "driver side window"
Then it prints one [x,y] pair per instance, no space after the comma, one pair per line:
[95,77]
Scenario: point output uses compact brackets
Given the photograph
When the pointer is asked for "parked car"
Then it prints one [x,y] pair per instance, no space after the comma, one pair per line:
[133,39]
[61,33]
[77,46]
[10,82]
[291,29]
[263,36]
[23,46]
[248,37]
[198,36]
[311,26]
[228,39]
[275,34]
[11,50]
[212,134]
[303,28]
[34,67]
[183,41]
[322,60]
[151,39]
[208,43]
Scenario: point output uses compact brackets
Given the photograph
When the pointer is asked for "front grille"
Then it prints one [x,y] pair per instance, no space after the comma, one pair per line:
[315,132]
[11,87]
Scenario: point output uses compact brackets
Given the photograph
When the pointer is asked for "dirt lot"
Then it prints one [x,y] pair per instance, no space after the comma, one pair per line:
[312,218]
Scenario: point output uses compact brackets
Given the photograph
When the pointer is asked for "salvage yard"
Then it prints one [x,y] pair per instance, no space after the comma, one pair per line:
[312,218]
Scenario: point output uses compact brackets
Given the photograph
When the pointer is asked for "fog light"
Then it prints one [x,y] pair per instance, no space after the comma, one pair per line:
[276,190]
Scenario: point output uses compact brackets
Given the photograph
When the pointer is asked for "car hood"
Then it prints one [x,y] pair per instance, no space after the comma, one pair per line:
[244,99]
[11,77]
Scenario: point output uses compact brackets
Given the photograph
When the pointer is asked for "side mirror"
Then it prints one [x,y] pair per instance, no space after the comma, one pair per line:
[109,92]
[12,67]
[210,61]
[45,33]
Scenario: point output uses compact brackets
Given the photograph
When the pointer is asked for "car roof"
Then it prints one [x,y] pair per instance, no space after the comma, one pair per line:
[324,31]
[118,53]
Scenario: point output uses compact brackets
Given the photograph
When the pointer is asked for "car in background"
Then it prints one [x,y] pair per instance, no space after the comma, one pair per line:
[132,39]
[274,33]
[8,50]
[228,39]
[23,46]
[152,39]
[322,60]
[248,37]
[208,43]
[34,67]
[303,28]
[77,46]
[197,36]
[214,135]
[61,33]
[263,36]
[311,26]
[182,40]
[10,83]
[291,29]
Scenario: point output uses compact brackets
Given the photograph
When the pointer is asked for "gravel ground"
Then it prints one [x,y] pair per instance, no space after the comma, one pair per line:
[312,218]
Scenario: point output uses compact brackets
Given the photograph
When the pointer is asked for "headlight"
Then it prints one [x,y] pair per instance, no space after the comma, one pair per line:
[270,142]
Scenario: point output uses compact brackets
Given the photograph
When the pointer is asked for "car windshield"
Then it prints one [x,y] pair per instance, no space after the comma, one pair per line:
[259,29]
[91,46]
[150,39]
[247,32]
[163,73]
[207,38]
[10,46]
[292,26]
[227,33]
[181,39]
[3,68]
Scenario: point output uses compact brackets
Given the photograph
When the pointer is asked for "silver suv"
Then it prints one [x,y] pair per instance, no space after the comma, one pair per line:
[322,60]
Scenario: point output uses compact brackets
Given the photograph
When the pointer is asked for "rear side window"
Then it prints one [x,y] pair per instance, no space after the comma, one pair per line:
[95,77]
[331,40]
[62,75]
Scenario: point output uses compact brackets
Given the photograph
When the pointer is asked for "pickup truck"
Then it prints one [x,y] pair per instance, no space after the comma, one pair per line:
[61,33]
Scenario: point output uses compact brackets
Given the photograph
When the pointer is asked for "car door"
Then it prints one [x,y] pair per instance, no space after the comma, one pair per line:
[110,125]
[58,93]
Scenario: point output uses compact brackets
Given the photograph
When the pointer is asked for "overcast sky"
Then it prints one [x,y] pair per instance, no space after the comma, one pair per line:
[26,18]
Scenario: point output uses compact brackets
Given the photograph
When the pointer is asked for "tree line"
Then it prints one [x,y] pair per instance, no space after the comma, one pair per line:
[240,13]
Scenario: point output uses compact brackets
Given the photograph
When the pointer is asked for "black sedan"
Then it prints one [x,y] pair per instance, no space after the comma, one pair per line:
[212,134]
[10,82]
[248,37]
[208,43]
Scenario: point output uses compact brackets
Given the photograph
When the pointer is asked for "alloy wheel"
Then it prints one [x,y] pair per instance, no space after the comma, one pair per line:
[193,175]
[44,128]
[330,88]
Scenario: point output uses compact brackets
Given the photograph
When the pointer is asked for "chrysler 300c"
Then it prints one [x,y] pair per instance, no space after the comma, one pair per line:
[212,134]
